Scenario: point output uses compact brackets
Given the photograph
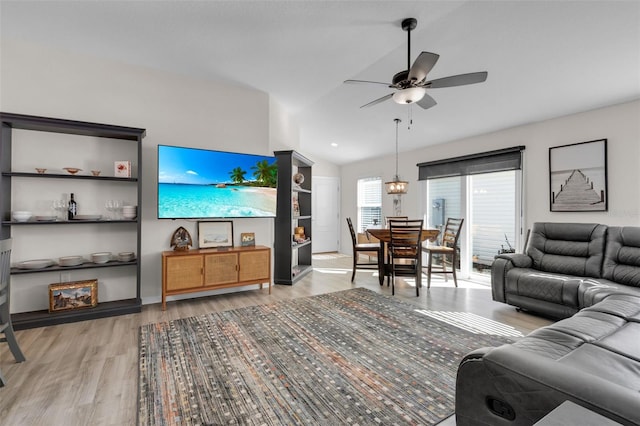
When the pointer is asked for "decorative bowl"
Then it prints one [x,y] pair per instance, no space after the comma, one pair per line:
[22,215]
[102,257]
[72,170]
[40,170]
[96,172]
[298,178]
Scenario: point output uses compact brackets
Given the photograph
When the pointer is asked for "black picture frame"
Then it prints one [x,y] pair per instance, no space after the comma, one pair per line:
[578,177]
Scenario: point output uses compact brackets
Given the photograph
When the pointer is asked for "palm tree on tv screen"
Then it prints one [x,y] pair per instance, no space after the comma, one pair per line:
[237,175]
[265,173]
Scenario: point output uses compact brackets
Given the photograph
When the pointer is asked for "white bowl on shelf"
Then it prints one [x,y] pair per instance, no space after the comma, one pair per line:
[22,215]
[102,257]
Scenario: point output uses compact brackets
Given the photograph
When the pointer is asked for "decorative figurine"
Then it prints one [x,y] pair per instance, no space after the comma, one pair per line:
[181,240]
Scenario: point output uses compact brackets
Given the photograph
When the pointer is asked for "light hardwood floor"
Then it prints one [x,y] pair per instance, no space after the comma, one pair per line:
[86,373]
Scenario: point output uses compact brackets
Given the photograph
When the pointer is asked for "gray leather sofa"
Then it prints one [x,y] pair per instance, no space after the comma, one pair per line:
[568,266]
[590,275]
[591,359]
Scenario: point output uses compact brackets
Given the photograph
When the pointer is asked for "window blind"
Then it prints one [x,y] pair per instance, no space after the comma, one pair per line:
[484,162]
[369,202]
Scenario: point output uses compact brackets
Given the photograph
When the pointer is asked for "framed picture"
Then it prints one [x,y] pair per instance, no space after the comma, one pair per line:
[73,295]
[578,177]
[296,206]
[247,239]
[215,234]
[122,169]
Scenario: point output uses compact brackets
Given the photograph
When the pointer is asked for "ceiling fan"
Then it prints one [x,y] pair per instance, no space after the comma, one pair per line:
[411,84]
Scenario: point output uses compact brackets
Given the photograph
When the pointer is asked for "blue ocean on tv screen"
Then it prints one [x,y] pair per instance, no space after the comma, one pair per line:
[199,201]
[200,183]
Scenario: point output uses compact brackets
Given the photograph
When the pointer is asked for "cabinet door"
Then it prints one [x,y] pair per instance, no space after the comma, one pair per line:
[255,265]
[184,272]
[220,268]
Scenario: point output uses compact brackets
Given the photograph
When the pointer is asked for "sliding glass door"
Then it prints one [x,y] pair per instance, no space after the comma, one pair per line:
[490,205]
[493,217]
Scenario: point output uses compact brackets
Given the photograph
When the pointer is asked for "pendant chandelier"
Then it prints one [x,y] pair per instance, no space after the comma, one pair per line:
[396,186]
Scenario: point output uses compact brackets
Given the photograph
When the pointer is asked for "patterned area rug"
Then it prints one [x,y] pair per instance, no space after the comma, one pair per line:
[351,357]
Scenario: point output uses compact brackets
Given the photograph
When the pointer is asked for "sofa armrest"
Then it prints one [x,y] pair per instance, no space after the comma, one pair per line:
[519,260]
[499,268]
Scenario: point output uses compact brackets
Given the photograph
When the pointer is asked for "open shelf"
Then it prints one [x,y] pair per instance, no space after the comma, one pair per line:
[293,210]
[85,265]
[67,176]
[112,142]
[43,318]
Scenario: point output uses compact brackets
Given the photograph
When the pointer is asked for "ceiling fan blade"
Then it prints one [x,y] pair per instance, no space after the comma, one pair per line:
[377,101]
[366,81]
[423,64]
[457,80]
[427,102]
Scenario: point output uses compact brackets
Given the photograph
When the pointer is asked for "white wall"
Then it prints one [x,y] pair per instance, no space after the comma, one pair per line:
[175,110]
[620,124]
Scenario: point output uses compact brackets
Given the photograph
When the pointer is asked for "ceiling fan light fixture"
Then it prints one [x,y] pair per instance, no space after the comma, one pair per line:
[409,95]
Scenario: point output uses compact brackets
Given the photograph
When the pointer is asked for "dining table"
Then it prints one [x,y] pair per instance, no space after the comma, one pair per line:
[384,236]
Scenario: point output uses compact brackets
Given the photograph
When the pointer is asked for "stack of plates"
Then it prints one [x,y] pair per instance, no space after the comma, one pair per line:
[129,212]
[87,217]
[70,261]
[45,218]
[35,264]
[102,257]
[126,256]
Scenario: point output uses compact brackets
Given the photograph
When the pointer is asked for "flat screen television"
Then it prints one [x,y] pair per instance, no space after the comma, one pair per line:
[199,183]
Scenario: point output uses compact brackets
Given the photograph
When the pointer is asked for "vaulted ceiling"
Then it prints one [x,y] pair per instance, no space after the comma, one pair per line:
[544,58]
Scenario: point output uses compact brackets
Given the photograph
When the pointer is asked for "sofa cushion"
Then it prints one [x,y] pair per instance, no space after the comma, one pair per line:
[594,290]
[568,248]
[556,288]
[622,256]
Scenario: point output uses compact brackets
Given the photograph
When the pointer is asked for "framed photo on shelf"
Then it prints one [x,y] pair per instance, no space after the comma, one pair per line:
[215,234]
[247,239]
[578,177]
[122,169]
[73,295]
[296,206]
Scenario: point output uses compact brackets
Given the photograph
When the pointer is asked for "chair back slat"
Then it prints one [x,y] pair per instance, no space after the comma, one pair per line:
[452,232]
[405,234]
[388,219]
[352,231]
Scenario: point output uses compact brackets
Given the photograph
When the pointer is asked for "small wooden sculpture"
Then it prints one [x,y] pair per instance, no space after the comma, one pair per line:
[181,240]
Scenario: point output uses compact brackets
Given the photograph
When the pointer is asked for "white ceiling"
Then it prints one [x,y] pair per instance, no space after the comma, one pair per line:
[544,58]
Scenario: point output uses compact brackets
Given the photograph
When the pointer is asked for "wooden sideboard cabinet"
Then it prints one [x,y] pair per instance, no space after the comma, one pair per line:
[194,271]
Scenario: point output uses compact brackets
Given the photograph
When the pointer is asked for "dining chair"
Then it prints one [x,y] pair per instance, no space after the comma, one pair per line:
[405,251]
[447,248]
[369,249]
[6,328]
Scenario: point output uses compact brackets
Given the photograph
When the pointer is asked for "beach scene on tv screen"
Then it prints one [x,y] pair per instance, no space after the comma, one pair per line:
[199,183]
